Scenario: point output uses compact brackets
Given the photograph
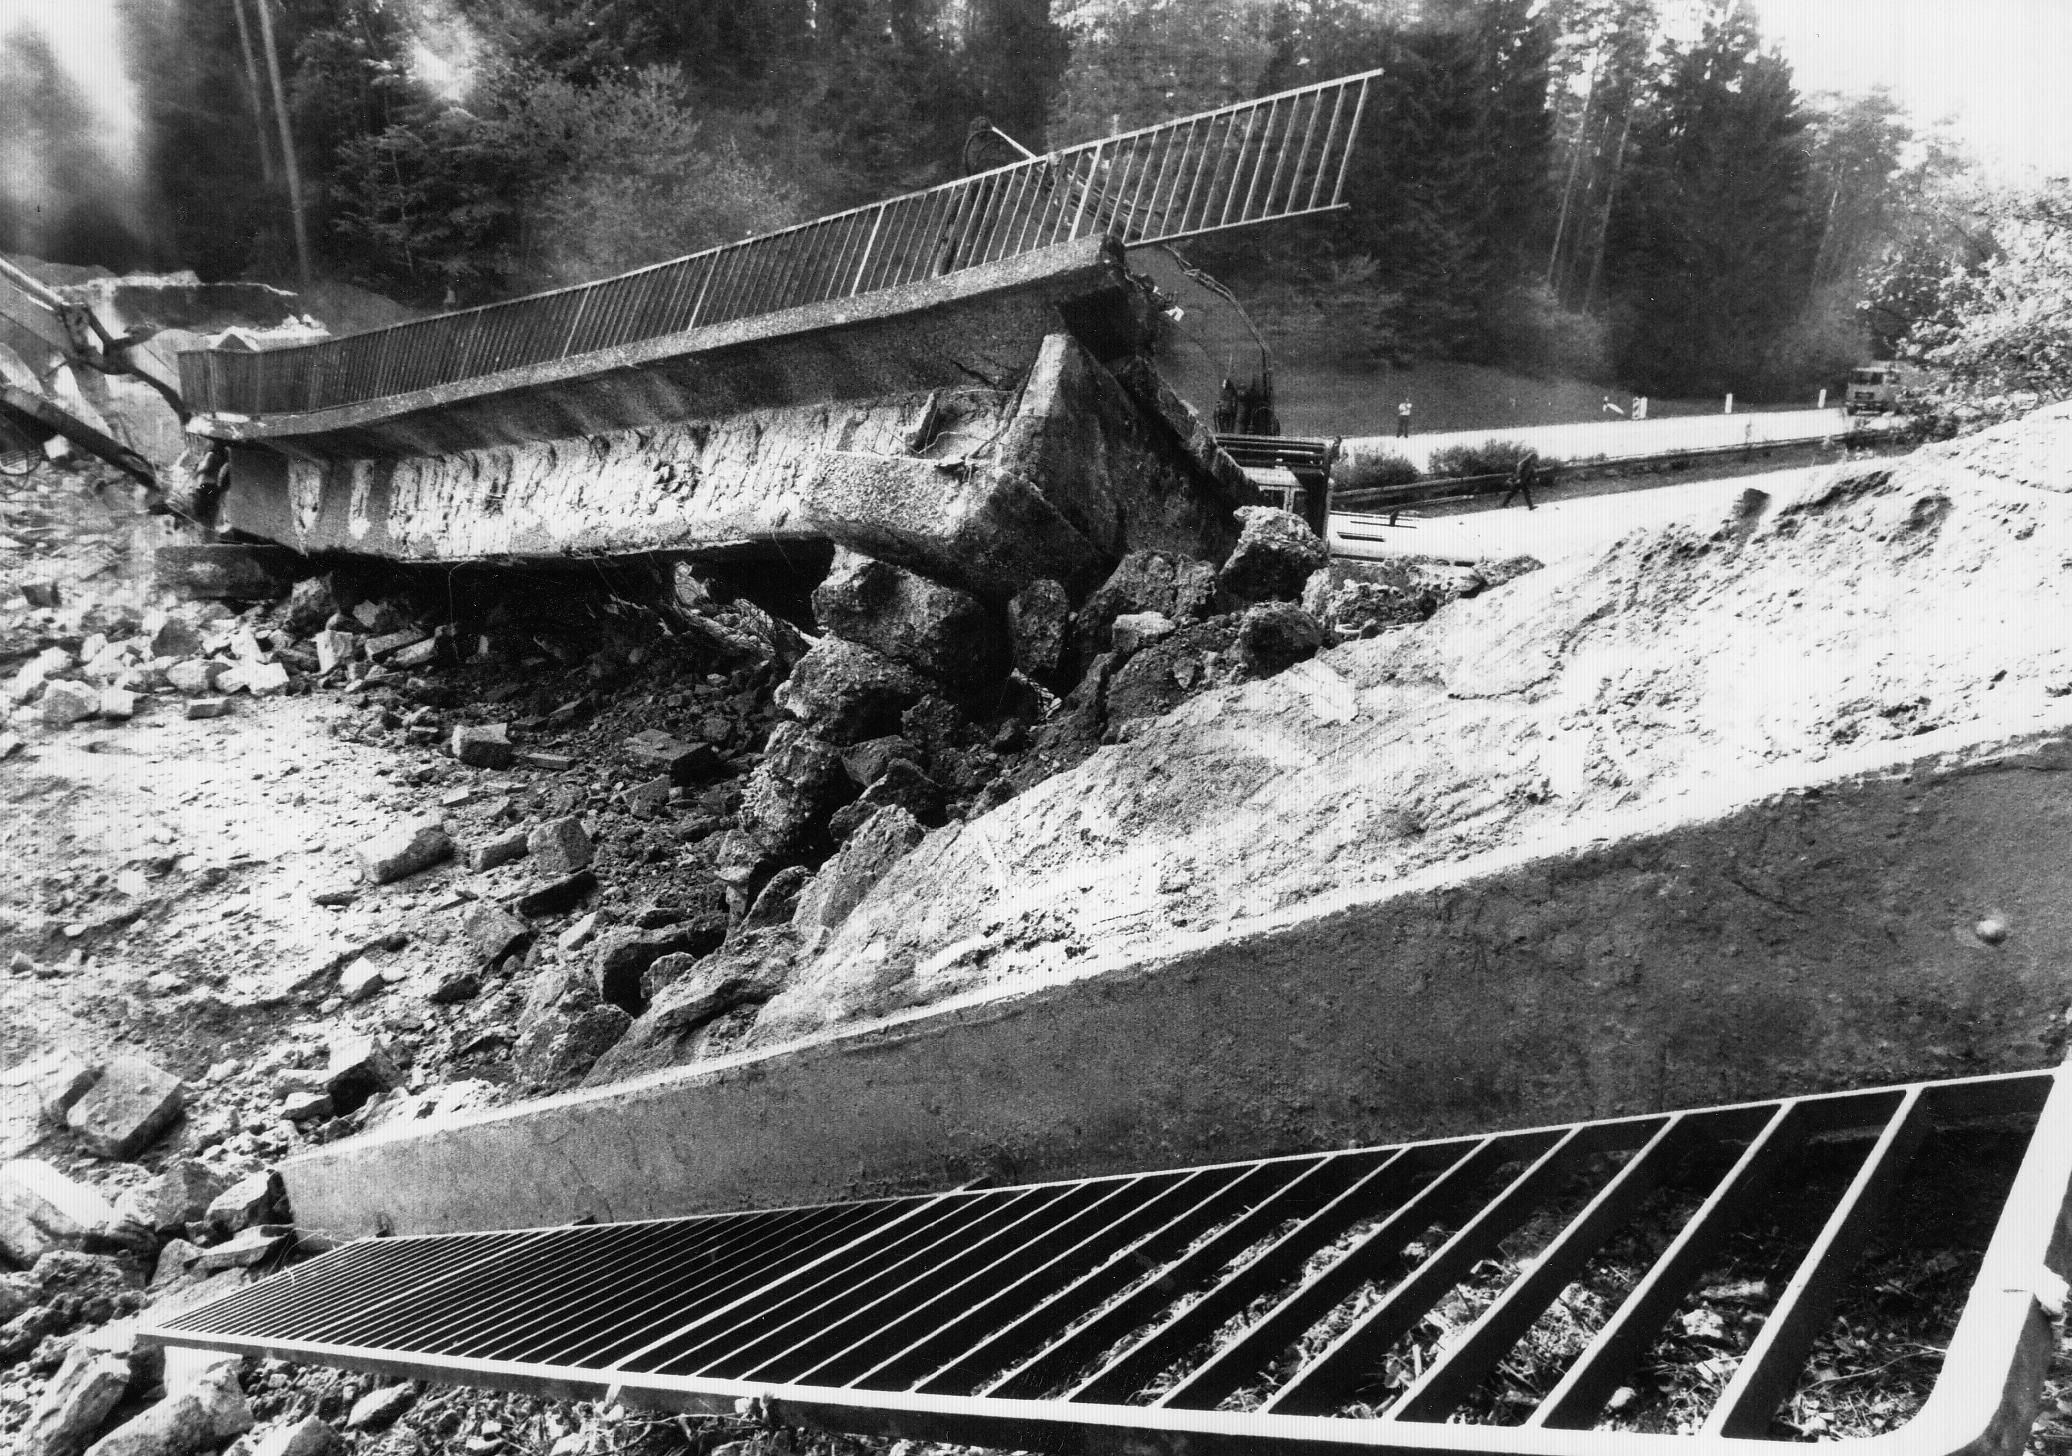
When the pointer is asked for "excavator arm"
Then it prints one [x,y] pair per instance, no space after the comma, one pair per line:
[74,333]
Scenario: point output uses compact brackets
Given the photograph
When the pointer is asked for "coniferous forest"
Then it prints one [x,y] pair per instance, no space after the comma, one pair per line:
[1619,189]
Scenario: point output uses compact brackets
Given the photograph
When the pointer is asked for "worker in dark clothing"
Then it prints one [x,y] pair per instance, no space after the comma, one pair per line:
[1524,476]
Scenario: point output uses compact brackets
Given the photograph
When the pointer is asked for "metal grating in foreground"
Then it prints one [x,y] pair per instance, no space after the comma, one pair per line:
[1280,156]
[1250,1306]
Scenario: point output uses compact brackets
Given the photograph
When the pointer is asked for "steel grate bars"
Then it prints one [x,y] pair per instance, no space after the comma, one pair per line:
[1250,1306]
[1257,161]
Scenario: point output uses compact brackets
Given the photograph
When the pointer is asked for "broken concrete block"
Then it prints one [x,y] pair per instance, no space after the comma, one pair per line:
[936,629]
[1132,630]
[208,707]
[176,637]
[65,703]
[417,654]
[683,763]
[404,850]
[41,1210]
[134,1101]
[1275,554]
[494,932]
[361,1067]
[561,846]
[175,1259]
[622,957]
[117,703]
[202,1416]
[1037,621]
[360,980]
[260,679]
[310,1436]
[45,594]
[305,1106]
[389,643]
[251,1246]
[648,799]
[1274,636]
[565,1026]
[182,1194]
[483,745]
[878,844]
[788,799]
[196,675]
[847,692]
[334,649]
[502,850]
[51,1083]
[556,897]
[378,1409]
[78,1400]
[245,1203]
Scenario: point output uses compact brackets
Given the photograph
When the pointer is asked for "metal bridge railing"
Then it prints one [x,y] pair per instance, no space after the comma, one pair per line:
[1279,156]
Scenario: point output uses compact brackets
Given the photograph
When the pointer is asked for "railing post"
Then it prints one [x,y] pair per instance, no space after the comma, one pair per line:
[871,242]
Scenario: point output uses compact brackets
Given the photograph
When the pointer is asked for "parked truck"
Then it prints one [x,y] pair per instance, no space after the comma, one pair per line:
[1878,388]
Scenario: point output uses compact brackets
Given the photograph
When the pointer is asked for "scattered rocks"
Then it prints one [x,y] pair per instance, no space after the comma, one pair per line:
[789,797]
[404,850]
[747,972]
[196,676]
[124,1112]
[1176,587]
[622,957]
[260,679]
[360,980]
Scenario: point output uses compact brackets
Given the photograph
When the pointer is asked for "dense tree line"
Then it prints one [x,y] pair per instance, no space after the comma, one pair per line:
[1593,186]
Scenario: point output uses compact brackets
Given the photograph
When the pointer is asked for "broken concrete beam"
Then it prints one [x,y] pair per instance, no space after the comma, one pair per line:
[41,1211]
[134,1101]
[225,571]
[1073,472]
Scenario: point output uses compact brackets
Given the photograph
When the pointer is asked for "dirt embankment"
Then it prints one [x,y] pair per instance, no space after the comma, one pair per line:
[1676,676]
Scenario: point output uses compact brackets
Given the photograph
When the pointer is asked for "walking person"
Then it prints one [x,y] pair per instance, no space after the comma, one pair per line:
[1403,420]
[1524,475]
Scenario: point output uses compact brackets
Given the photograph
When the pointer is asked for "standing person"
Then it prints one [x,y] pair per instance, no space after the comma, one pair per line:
[1403,419]
[1612,409]
[1524,475]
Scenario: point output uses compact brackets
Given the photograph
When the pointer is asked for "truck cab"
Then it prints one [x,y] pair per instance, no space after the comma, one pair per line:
[1876,388]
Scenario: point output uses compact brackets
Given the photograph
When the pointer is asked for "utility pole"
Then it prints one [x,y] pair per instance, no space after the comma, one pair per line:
[254,90]
[280,107]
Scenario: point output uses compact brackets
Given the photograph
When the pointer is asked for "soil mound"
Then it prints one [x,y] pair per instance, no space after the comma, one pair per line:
[1673,677]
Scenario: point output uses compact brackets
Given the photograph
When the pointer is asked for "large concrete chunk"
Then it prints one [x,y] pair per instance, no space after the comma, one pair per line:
[41,1210]
[133,1103]
[79,1398]
[948,634]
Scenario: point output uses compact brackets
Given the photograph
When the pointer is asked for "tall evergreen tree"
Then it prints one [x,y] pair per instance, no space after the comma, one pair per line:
[1710,252]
